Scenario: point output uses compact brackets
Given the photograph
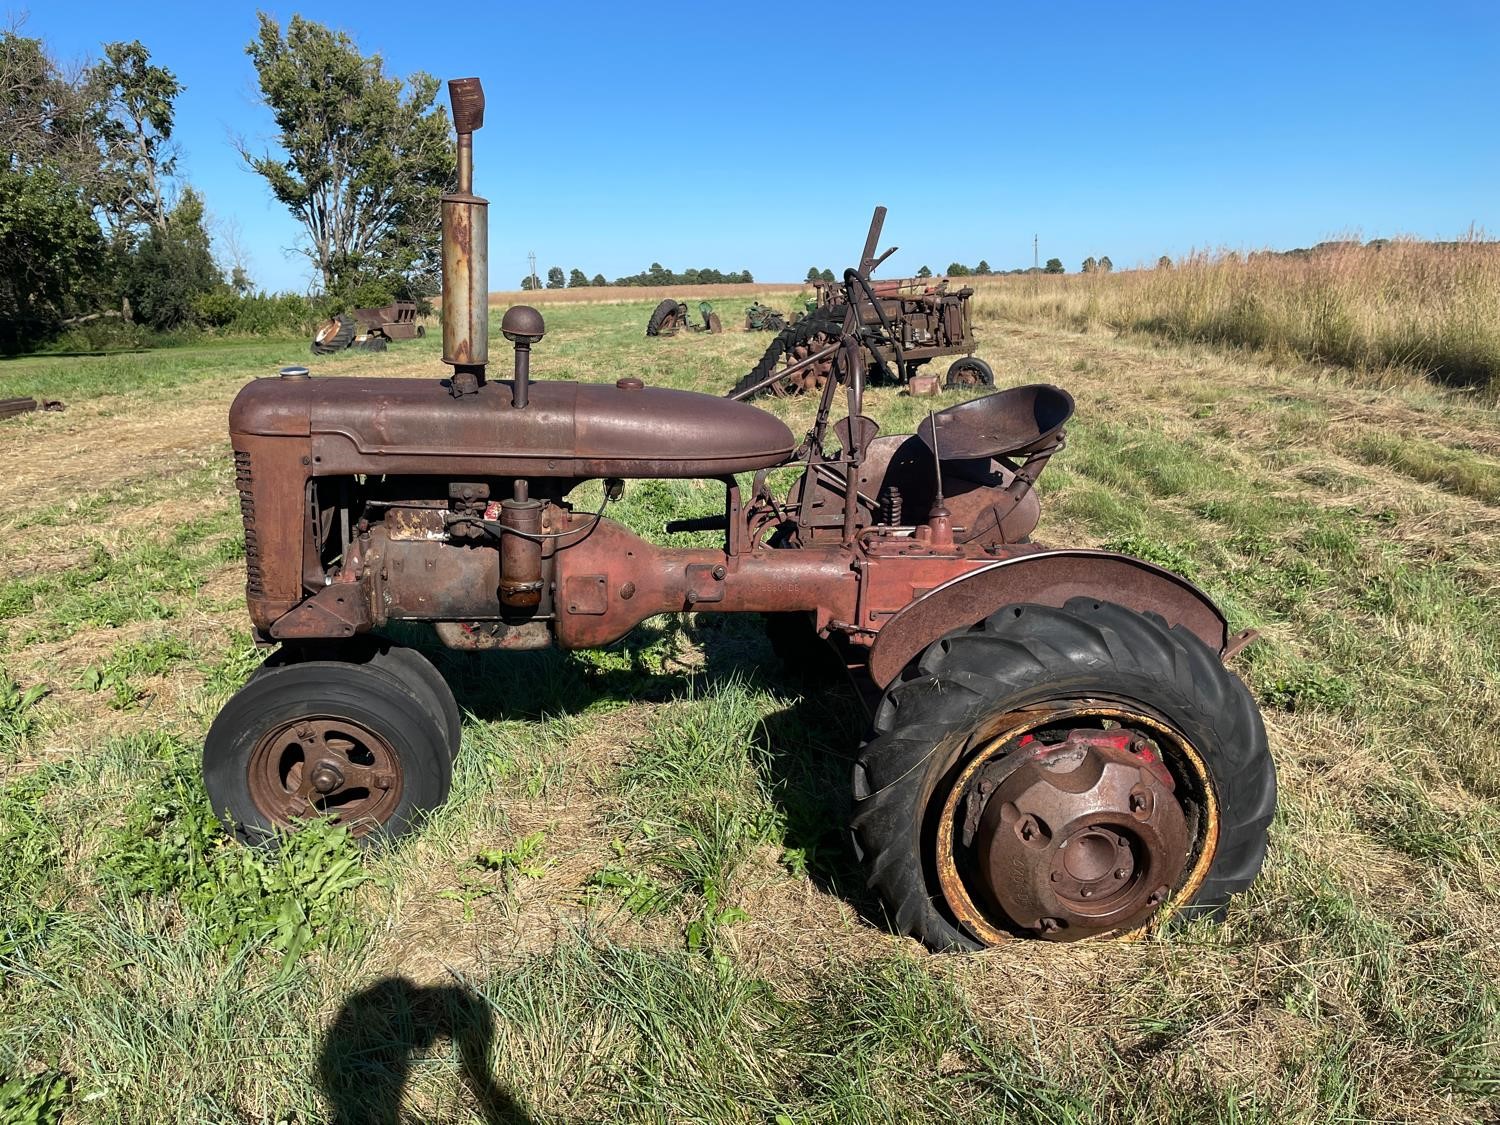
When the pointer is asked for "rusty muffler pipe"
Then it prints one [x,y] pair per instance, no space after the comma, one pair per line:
[466,275]
[520,554]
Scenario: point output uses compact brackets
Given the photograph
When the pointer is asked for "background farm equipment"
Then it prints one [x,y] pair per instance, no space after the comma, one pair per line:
[671,316]
[368,329]
[1056,748]
[763,318]
[10,407]
[905,323]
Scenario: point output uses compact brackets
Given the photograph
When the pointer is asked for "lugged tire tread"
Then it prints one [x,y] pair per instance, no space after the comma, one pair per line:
[1023,649]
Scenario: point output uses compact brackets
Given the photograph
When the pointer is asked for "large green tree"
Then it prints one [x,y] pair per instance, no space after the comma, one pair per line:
[89,177]
[133,105]
[364,158]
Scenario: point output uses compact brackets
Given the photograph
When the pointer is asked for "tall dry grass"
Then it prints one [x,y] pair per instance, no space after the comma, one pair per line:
[1431,307]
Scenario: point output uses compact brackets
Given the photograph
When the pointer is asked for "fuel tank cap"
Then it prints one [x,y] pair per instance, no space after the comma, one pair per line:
[630,383]
[296,372]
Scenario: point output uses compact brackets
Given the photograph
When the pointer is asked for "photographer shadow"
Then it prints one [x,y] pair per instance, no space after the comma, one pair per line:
[368,1052]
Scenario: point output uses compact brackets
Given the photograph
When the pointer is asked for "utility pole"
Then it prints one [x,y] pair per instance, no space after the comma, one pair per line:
[531,260]
[1035,262]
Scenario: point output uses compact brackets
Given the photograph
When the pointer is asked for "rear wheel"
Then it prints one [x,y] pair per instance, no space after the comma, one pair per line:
[664,317]
[1062,773]
[970,372]
[325,739]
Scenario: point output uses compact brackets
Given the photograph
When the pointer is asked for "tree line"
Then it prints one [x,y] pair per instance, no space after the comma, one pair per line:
[98,229]
[655,274]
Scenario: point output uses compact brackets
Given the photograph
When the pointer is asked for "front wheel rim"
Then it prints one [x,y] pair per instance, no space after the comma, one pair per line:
[326,766]
[1116,783]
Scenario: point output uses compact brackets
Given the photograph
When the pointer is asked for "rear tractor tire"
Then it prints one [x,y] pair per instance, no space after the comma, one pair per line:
[1083,772]
[665,318]
[322,738]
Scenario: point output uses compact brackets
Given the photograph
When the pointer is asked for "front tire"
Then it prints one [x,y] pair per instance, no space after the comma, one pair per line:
[1039,729]
[330,739]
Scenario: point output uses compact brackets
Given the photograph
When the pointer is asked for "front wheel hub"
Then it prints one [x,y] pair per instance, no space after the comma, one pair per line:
[1081,837]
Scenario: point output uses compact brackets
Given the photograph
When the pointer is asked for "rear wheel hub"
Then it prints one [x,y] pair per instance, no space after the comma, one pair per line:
[1080,837]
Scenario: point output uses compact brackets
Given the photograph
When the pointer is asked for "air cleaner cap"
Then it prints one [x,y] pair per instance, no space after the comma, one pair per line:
[294,372]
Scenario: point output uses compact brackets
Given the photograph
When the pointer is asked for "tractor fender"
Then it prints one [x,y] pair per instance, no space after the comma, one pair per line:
[1045,578]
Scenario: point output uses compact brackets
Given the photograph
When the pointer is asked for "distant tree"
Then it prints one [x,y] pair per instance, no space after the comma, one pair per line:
[1164,263]
[826,275]
[526,283]
[173,267]
[746,277]
[135,118]
[658,274]
[577,279]
[1105,265]
[50,246]
[363,159]
[958,269]
[598,281]
[982,269]
[1054,265]
[1090,264]
[555,278]
[924,271]
[814,274]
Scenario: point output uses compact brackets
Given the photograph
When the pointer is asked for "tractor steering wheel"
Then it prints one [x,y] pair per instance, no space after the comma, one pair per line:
[850,277]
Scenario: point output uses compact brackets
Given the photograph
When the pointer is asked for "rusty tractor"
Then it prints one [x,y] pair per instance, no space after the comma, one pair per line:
[671,316]
[1056,747]
[368,329]
[905,324]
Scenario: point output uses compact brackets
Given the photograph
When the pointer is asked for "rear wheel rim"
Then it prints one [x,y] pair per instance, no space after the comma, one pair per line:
[324,765]
[1072,820]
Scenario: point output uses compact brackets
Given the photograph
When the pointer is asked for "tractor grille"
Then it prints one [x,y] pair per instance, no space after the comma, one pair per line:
[244,480]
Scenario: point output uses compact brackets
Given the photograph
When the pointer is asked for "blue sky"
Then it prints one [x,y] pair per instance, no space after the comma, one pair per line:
[760,136]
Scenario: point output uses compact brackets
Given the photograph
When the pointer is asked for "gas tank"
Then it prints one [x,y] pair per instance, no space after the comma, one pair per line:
[579,430]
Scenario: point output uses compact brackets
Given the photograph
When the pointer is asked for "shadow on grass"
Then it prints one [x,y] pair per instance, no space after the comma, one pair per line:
[804,751]
[368,1052]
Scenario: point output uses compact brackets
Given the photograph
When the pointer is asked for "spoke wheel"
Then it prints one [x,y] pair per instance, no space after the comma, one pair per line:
[324,738]
[325,766]
[970,372]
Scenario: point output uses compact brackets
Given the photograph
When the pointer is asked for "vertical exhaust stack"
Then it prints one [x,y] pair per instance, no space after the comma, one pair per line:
[466,281]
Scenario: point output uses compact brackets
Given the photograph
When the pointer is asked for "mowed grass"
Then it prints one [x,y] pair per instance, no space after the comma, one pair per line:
[640,903]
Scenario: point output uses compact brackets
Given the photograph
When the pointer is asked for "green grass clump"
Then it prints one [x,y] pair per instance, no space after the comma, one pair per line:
[289,900]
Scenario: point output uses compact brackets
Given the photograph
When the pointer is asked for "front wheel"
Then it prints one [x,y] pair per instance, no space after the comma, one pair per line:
[325,739]
[970,372]
[1062,773]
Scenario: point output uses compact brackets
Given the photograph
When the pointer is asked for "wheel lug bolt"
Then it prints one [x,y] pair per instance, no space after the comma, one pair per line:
[1119,873]
[1049,925]
[1057,876]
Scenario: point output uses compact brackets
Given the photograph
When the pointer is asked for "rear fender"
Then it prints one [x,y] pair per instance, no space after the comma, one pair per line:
[1046,578]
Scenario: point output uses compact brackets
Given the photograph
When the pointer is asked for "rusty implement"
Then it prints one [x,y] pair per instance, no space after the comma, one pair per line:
[1058,749]
[11,407]
[904,324]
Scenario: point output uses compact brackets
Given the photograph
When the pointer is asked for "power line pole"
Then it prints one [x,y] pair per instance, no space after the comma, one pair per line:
[1035,261]
[531,260]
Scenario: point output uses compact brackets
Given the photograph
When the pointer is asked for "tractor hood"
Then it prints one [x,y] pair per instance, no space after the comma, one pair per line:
[579,430]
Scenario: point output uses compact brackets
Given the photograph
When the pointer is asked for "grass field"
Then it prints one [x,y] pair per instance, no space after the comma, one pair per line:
[639,903]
